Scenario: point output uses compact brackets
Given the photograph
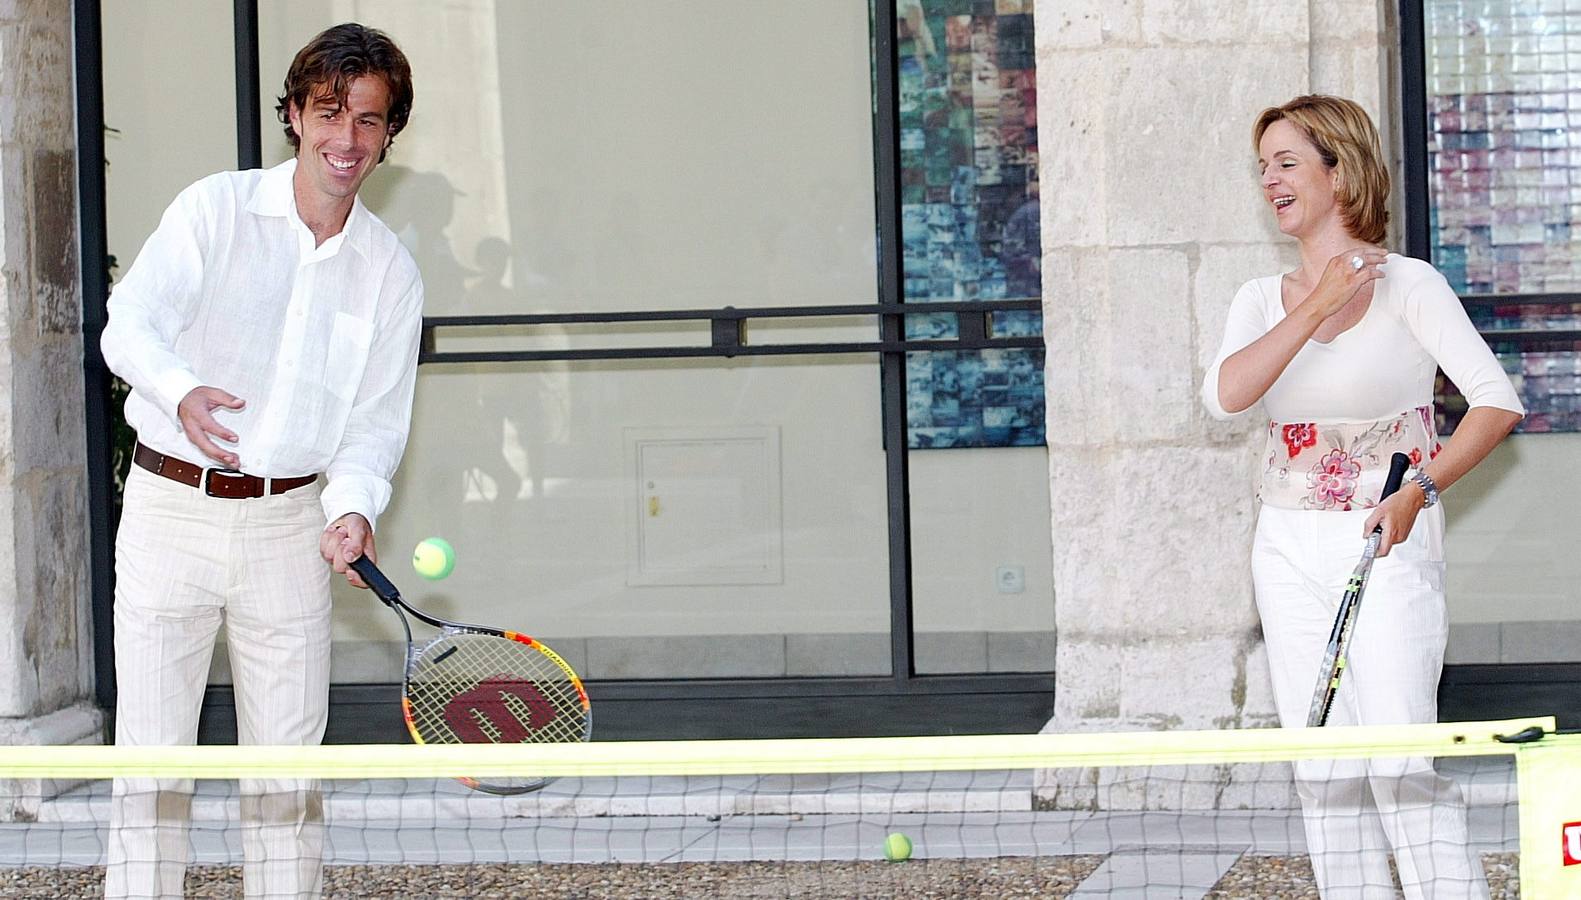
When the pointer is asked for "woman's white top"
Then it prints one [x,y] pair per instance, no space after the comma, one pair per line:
[1342,408]
[1383,365]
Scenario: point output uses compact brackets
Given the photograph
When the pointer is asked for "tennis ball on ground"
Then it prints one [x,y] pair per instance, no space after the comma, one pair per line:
[897,847]
[434,558]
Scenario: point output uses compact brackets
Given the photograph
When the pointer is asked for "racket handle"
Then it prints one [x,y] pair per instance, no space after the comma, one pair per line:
[383,587]
[1397,466]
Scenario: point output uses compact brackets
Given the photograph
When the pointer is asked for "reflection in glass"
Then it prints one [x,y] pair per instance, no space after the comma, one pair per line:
[982,594]
[648,519]
[1504,151]
[969,214]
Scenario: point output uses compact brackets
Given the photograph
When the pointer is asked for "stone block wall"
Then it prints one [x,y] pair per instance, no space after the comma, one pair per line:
[1152,217]
[46,675]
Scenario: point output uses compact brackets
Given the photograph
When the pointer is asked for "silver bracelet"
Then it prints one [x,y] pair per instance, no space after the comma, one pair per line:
[1429,489]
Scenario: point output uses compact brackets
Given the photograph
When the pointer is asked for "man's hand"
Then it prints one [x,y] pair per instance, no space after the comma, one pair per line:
[196,412]
[345,539]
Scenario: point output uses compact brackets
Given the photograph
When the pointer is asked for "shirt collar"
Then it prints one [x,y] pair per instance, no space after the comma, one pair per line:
[274,197]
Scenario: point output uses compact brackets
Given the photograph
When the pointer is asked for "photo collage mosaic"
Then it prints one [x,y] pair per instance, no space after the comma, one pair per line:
[969,214]
[1504,159]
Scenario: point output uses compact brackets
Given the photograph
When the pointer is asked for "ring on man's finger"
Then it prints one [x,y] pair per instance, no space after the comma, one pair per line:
[1356,262]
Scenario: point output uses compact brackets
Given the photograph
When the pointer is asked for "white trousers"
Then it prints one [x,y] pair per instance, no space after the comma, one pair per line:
[184,564]
[1356,811]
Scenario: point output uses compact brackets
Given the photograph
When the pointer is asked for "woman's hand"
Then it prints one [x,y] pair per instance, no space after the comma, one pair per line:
[1247,374]
[1395,515]
[1341,279]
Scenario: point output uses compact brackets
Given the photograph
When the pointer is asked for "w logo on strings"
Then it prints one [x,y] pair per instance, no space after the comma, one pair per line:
[506,706]
[1572,843]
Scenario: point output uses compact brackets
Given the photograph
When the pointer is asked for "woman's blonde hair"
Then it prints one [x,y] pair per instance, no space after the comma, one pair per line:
[1345,139]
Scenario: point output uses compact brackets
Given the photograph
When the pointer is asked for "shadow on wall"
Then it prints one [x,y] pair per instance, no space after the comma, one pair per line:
[418,207]
[510,411]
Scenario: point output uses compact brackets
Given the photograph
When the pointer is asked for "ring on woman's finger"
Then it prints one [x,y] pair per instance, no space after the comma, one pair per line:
[1356,262]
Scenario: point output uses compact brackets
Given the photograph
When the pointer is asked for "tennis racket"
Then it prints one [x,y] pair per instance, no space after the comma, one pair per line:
[1334,657]
[478,685]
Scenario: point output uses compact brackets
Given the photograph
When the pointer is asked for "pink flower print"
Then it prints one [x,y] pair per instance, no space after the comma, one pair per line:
[1416,456]
[1334,480]
[1299,436]
[1436,447]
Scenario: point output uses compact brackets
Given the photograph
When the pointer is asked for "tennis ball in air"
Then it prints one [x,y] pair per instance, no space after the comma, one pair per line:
[897,847]
[434,558]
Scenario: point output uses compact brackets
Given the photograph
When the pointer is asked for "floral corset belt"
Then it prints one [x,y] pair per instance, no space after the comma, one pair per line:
[1341,466]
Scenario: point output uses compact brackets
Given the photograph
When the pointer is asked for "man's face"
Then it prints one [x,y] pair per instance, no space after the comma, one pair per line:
[340,145]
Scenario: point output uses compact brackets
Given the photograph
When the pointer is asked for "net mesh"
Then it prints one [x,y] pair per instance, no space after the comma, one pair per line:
[1184,814]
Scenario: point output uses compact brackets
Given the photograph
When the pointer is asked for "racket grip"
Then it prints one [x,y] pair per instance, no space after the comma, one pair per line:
[1398,463]
[381,585]
[1397,466]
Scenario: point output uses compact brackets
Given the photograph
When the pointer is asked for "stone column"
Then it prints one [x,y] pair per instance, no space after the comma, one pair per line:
[1152,217]
[1356,53]
[46,644]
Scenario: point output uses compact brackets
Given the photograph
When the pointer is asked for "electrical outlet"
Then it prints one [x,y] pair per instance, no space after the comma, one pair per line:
[1010,579]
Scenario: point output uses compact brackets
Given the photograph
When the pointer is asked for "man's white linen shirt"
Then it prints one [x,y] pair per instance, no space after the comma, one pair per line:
[321,342]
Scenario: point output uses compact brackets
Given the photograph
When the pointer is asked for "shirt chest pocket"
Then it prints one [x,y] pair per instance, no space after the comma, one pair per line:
[347,355]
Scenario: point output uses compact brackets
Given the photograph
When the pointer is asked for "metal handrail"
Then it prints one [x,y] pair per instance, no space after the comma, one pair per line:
[728,332]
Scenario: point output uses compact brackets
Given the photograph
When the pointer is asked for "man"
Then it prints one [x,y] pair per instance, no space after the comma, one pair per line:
[269,331]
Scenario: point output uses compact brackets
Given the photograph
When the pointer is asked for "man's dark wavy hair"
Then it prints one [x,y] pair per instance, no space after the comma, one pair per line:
[332,61]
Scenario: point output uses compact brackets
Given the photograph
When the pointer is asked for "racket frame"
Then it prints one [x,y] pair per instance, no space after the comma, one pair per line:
[390,595]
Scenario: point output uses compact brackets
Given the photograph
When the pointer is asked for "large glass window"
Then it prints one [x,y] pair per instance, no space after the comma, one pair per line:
[710,518]
[969,214]
[648,518]
[983,586]
[1502,89]
[1504,102]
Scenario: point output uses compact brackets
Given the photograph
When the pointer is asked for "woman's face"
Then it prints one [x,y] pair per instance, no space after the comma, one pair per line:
[1296,183]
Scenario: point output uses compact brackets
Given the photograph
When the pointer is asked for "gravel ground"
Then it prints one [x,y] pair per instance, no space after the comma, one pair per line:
[1020,878]
[1290,878]
[930,879]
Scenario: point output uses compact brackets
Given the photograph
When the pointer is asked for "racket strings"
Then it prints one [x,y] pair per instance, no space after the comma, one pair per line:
[480,688]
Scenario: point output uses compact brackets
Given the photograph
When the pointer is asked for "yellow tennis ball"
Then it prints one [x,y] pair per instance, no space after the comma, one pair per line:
[434,558]
[897,847]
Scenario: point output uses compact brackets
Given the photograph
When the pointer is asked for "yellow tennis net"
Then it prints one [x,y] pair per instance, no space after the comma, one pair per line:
[1255,813]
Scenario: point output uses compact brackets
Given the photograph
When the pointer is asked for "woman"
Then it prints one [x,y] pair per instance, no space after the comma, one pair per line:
[1342,352]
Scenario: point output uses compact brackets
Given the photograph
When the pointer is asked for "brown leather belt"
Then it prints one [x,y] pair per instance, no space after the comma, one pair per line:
[216,482]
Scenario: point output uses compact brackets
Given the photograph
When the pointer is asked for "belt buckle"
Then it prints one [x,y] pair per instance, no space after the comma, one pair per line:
[208,480]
